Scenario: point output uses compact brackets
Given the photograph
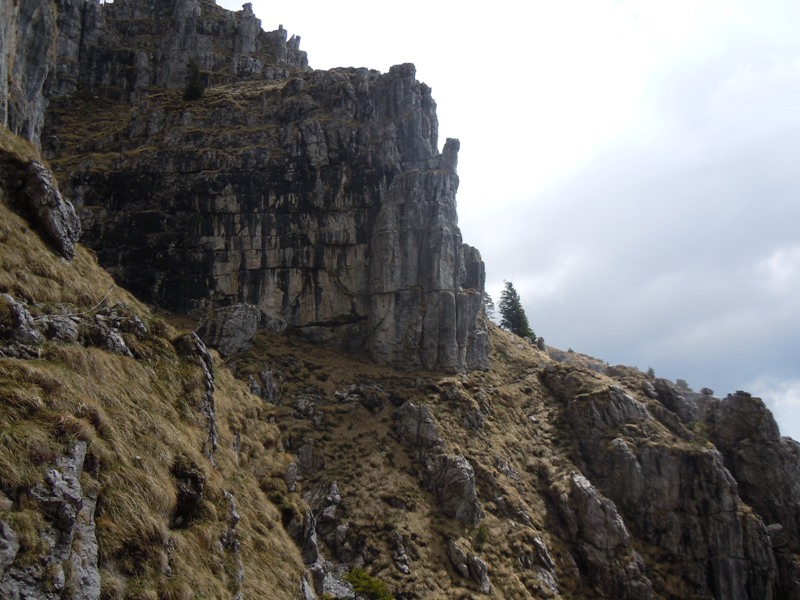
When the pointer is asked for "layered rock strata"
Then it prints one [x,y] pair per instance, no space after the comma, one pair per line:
[683,497]
[320,197]
[126,50]
[129,48]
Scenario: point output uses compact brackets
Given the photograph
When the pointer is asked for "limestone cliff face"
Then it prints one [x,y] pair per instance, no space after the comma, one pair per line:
[27,33]
[129,48]
[319,197]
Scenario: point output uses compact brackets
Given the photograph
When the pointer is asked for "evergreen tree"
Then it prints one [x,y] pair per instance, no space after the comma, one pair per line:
[488,305]
[512,315]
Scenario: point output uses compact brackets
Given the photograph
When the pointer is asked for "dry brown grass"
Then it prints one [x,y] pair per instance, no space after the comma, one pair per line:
[138,418]
[17,146]
[31,272]
[523,457]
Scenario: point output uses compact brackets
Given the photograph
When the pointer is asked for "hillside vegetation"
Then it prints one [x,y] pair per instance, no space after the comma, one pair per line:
[140,420]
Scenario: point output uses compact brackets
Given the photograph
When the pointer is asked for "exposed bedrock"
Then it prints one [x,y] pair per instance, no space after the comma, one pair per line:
[321,199]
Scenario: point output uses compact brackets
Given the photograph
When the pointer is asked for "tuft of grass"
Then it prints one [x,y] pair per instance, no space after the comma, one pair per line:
[19,147]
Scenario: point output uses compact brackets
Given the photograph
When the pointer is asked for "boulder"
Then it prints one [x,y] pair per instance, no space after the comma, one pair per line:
[451,478]
[16,322]
[480,574]
[469,567]
[54,215]
[416,428]
[230,329]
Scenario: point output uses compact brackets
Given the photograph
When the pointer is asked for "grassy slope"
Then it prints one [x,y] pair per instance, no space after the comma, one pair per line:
[139,417]
[524,453]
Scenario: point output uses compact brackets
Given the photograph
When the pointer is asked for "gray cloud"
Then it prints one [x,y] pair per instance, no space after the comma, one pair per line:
[681,250]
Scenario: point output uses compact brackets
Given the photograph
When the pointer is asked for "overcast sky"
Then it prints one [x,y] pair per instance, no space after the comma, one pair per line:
[631,166]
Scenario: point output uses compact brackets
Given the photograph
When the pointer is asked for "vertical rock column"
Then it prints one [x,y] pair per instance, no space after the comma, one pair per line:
[415,266]
[26,33]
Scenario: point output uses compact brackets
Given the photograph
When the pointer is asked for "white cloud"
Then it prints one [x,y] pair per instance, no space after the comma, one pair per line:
[777,392]
[782,396]
[782,269]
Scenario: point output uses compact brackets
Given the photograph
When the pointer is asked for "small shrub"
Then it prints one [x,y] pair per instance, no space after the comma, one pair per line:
[372,587]
[481,537]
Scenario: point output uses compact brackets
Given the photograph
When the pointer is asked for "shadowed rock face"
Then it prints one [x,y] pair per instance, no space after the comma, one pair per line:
[767,469]
[678,497]
[128,48]
[27,30]
[320,198]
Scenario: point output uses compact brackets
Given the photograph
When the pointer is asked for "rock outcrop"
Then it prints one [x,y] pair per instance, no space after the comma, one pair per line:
[27,33]
[603,542]
[319,197]
[416,428]
[451,478]
[315,201]
[129,48]
[22,335]
[469,567]
[66,564]
[766,467]
[32,192]
[192,347]
[663,488]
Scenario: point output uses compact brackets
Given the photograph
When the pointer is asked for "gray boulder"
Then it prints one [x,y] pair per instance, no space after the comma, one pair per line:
[416,428]
[230,329]
[451,478]
[458,558]
[17,323]
[50,211]
[480,574]
[469,567]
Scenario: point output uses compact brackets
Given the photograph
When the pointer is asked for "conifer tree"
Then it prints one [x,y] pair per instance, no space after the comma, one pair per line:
[512,315]
[488,305]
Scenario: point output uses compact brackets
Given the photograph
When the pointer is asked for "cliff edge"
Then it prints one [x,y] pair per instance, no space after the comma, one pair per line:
[318,197]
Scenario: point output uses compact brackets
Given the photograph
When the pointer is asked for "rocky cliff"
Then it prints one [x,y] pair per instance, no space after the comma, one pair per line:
[320,198]
[285,200]
[28,31]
